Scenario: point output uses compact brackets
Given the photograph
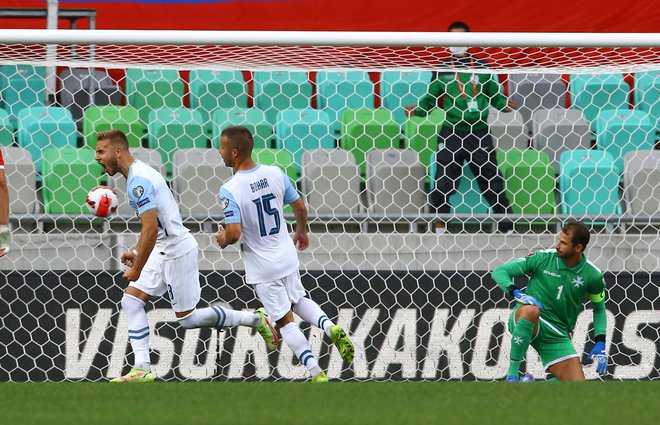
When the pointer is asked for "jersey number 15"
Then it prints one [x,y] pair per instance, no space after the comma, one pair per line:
[263,207]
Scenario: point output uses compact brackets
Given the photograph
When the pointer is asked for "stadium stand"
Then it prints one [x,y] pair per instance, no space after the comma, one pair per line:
[112,117]
[641,182]
[341,90]
[22,86]
[20,171]
[592,94]
[252,118]
[82,87]
[533,92]
[557,130]
[275,91]
[210,90]
[508,129]
[623,130]
[401,88]
[149,89]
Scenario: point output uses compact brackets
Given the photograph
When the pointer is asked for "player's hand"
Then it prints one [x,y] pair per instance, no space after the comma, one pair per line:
[511,104]
[5,239]
[410,110]
[131,274]
[301,240]
[523,298]
[598,355]
[128,258]
[221,236]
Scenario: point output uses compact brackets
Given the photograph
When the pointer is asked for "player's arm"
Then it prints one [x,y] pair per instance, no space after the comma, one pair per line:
[598,353]
[504,274]
[147,240]
[430,100]
[494,91]
[231,232]
[293,198]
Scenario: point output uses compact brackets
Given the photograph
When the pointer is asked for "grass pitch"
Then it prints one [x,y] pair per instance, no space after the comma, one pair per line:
[293,403]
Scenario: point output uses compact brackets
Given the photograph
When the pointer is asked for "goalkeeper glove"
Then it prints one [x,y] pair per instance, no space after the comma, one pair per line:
[598,354]
[523,298]
[5,237]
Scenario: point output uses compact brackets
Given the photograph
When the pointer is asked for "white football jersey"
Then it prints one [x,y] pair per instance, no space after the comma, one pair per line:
[147,189]
[255,198]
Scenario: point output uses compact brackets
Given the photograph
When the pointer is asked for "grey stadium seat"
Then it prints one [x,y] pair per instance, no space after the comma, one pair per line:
[197,175]
[536,91]
[557,130]
[395,182]
[118,182]
[21,180]
[82,87]
[330,181]
[508,129]
[641,182]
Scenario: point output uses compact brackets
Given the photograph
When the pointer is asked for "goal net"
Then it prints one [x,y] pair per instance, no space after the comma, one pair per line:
[330,110]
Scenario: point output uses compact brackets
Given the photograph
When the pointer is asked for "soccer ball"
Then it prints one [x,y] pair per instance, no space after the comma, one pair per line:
[102,201]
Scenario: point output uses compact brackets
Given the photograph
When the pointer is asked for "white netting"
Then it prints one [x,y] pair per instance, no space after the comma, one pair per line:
[581,143]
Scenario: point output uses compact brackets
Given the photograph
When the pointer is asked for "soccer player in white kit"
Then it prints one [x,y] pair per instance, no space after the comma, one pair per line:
[5,228]
[164,260]
[253,200]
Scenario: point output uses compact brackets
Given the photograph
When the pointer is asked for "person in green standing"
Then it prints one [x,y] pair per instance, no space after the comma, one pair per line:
[466,93]
[559,281]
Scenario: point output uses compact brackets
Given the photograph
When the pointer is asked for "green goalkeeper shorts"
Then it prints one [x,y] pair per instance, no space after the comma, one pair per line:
[553,345]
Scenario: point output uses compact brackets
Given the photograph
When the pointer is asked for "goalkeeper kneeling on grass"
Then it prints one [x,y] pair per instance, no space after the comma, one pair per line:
[545,314]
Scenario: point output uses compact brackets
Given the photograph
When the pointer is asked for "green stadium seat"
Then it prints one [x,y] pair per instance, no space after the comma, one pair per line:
[468,198]
[421,135]
[365,129]
[22,86]
[592,94]
[41,127]
[252,118]
[588,183]
[300,130]
[171,129]
[68,175]
[280,158]
[341,90]
[621,131]
[401,88]
[647,95]
[149,89]
[210,90]
[112,117]
[530,180]
[276,91]
[6,129]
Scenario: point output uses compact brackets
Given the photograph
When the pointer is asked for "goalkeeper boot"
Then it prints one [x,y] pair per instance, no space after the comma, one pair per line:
[512,378]
[528,377]
[343,344]
[135,376]
[320,378]
[266,330]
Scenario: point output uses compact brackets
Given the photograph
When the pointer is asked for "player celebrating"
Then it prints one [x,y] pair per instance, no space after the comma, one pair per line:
[165,259]
[5,228]
[253,200]
[559,279]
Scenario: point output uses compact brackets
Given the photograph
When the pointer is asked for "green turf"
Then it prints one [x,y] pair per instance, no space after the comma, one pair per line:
[265,403]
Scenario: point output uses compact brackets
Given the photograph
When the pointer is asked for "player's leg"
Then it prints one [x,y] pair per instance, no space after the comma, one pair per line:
[559,355]
[523,326]
[568,370]
[309,311]
[276,300]
[184,291]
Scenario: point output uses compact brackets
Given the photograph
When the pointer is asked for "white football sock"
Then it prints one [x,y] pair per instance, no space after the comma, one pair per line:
[310,312]
[297,342]
[219,317]
[138,330]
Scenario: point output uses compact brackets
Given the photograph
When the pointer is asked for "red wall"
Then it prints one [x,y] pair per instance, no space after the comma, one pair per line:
[366,15]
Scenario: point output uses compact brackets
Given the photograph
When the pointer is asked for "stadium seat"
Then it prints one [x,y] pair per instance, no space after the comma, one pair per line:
[171,129]
[530,180]
[149,89]
[252,118]
[84,87]
[22,178]
[279,157]
[557,130]
[401,88]
[276,91]
[197,176]
[330,181]
[647,95]
[210,90]
[118,182]
[22,86]
[68,174]
[395,182]
[365,129]
[468,198]
[621,131]
[6,129]
[421,135]
[592,94]
[508,129]
[112,117]
[588,183]
[41,127]
[341,90]
[641,182]
[533,92]
[299,130]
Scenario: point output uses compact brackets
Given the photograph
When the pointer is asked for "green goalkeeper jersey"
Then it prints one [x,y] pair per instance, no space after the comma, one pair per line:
[560,289]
